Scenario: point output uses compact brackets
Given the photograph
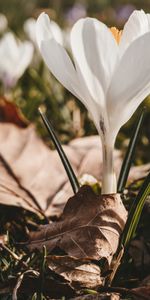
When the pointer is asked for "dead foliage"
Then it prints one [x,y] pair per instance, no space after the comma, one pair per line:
[90,226]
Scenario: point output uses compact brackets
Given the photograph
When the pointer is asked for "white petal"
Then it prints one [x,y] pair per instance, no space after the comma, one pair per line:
[148,18]
[130,83]
[15,58]
[95,54]
[57,33]
[47,29]
[3,23]
[24,58]
[9,46]
[136,26]
[29,28]
[60,64]
[43,29]
[55,56]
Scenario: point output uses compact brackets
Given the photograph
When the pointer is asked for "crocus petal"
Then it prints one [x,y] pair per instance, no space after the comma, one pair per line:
[57,33]
[8,45]
[137,25]
[130,83]
[95,54]
[148,18]
[55,56]
[15,58]
[43,29]
[24,58]
[3,23]
[29,28]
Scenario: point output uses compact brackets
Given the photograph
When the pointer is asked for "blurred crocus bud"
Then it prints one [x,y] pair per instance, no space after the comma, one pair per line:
[29,28]
[15,58]
[3,23]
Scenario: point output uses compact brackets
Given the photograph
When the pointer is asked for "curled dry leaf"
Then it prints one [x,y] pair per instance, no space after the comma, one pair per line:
[79,273]
[90,226]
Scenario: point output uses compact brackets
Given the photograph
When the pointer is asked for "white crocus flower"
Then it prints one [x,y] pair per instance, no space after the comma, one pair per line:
[111,79]
[29,28]
[3,23]
[15,58]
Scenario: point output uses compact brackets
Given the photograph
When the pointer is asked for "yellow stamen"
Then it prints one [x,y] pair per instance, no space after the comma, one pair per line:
[116,33]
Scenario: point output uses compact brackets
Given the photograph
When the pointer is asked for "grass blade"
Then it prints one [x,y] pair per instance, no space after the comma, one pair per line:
[135,212]
[124,172]
[70,173]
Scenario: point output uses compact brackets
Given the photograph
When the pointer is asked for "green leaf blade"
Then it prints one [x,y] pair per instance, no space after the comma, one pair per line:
[126,165]
[68,168]
[135,213]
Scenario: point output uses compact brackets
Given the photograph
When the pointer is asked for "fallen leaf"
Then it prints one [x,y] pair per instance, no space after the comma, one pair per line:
[11,191]
[30,173]
[140,253]
[32,176]
[141,293]
[79,273]
[90,226]
[29,285]
[138,172]
[146,281]
[9,113]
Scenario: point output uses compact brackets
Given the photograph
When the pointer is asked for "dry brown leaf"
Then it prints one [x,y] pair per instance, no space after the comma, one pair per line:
[141,293]
[139,172]
[90,226]
[146,281]
[9,113]
[79,273]
[32,175]
[29,285]
[140,253]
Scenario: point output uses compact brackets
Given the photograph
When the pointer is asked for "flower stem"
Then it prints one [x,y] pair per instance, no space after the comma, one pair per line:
[108,179]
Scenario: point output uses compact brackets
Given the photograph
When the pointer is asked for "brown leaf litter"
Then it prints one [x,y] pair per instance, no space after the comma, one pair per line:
[90,226]
[9,113]
[80,273]
[32,175]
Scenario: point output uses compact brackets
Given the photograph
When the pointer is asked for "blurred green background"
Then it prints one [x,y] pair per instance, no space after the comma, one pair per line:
[110,11]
